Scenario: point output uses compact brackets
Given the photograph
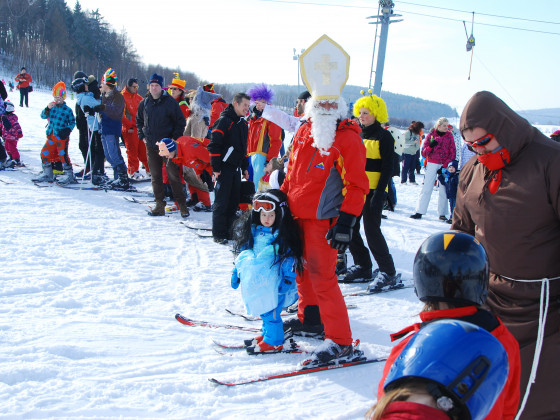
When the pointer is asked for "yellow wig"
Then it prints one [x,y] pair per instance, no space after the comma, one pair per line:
[375,105]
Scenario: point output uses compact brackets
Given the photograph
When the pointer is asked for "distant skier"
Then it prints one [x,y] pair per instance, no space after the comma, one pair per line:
[24,80]
[270,252]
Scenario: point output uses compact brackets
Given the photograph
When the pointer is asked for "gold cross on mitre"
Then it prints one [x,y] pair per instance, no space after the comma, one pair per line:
[325,68]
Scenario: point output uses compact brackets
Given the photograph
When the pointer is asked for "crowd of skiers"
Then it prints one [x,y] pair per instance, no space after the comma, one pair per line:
[489,335]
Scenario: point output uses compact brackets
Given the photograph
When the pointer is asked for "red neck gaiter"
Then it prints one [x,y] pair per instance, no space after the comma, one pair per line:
[495,161]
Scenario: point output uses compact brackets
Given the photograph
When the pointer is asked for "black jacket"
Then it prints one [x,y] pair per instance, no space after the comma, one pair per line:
[159,118]
[228,145]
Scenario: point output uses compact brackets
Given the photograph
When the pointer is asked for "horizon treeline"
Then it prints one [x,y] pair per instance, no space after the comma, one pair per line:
[53,42]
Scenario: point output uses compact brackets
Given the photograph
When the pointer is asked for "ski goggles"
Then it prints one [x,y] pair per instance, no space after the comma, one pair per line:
[483,141]
[264,205]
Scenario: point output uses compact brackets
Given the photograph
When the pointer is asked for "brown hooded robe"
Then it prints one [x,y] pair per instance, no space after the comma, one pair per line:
[519,226]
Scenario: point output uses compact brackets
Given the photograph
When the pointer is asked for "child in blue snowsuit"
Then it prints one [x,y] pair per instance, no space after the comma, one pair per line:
[449,178]
[269,255]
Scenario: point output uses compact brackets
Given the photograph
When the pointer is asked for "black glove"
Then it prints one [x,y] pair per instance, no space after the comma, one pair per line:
[206,121]
[64,133]
[98,108]
[88,110]
[340,234]
[433,143]
[440,171]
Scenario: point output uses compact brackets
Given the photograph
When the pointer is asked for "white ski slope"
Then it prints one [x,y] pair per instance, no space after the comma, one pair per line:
[89,289]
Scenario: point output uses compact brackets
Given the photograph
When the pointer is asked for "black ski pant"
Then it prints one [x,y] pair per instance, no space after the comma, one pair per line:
[84,144]
[375,239]
[156,162]
[24,95]
[226,200]
[97,154]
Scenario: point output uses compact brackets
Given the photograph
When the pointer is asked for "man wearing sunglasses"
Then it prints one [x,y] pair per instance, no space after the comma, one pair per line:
[509,198]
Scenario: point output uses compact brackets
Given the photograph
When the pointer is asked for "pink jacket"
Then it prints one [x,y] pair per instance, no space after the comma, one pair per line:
[13,133]
[444,152]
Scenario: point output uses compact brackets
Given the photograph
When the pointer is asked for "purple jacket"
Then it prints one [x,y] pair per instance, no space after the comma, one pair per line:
[444,152]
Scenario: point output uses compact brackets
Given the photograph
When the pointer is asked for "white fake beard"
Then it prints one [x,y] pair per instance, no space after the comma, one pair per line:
[324,122]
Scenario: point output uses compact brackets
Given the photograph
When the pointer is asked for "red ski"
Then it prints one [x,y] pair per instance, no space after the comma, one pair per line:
[296,372]
[193,323]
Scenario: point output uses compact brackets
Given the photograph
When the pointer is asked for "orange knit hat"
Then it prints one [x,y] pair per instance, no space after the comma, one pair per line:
[59,90]
[178,83]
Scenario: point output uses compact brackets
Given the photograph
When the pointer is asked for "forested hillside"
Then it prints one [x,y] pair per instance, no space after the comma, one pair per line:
[53,42]
[402,108]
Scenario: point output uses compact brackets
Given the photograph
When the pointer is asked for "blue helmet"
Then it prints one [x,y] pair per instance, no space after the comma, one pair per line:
[465,367]
[451,266]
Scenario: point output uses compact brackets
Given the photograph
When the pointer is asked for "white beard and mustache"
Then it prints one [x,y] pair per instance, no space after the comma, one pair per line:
[324,122]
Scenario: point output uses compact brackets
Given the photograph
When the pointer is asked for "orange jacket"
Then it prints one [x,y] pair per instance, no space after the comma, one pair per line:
[507,403]
[192,152]
[318,185]
[218,106]
[265,138]
[131,101]
[23,80]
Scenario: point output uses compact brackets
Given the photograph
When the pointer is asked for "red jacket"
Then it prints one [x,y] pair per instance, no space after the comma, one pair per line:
[131,101]
[23,80]
[319,186]
[507,403]
[218,106]
[192,152]
[265,138]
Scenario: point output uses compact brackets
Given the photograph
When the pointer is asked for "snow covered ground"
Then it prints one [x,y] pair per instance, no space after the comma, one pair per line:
[89,288]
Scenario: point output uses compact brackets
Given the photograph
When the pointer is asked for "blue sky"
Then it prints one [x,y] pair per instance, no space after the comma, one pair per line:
[253,40]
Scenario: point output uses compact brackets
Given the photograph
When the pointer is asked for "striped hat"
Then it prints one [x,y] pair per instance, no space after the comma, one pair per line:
[59,90]
[110,77]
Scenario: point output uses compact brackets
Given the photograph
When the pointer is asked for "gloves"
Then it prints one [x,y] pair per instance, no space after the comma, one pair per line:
[340,234]
[433,143]
[234,279]
[91,111]
[206,121]
[64,133]
[440,171]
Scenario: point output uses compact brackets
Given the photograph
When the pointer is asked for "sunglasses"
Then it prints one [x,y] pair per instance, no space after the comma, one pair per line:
[174,88]
[264,205]
[483,141]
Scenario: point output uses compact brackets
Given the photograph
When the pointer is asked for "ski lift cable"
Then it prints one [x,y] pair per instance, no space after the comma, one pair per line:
[483,14]
[498,81]
[480,23]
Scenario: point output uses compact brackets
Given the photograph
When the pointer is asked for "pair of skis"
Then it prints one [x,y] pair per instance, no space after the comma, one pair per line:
[267,377]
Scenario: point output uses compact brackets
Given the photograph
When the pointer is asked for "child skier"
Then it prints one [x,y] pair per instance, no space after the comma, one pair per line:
[451,277]
[270,252]
[449,178]
[61,123]
[11,133]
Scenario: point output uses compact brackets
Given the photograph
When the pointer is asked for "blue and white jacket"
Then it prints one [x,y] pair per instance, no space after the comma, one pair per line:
[87,99]
[262,280]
